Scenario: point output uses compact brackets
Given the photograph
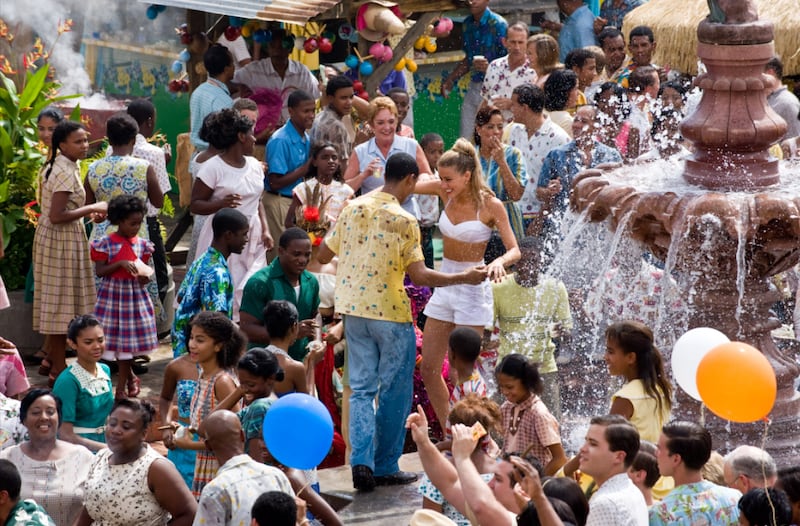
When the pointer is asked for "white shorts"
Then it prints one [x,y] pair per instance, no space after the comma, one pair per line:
[470,305]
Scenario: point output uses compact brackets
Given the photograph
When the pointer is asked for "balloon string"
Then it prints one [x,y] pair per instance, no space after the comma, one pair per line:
[767,422]
[702,414]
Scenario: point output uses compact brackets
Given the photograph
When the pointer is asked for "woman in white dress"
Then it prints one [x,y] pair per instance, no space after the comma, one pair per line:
[233,179]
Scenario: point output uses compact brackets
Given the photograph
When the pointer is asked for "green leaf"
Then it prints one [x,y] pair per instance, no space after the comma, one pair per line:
[76,113]
[6,148]
[4,190]
[33,87]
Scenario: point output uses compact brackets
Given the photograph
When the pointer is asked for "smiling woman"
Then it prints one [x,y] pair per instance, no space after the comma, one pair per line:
[85,386]
[130,483]
[52,470]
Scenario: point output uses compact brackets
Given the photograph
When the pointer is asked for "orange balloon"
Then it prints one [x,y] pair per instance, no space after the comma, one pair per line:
[737,382]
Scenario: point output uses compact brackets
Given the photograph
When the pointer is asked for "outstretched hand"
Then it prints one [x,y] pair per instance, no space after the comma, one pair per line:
[418,424]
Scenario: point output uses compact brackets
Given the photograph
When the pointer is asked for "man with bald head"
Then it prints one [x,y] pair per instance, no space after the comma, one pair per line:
[228,499]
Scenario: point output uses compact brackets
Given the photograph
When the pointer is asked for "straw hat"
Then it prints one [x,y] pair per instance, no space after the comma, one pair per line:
[430,518]
[377,19]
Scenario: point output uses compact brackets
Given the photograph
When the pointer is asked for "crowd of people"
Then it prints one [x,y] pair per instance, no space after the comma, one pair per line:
[312,271]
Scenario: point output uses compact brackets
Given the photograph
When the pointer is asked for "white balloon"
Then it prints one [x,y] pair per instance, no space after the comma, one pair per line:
[689,350]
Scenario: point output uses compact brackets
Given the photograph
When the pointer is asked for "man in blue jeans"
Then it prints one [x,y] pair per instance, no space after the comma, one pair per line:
[377,243]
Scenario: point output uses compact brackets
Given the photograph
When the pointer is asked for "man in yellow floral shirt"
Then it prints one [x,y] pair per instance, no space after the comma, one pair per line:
[377,243]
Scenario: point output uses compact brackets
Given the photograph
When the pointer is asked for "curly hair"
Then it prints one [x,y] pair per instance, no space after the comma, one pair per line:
[557,88]
[124,206]
[381,103]
[223,128]
[222,330]
[475,408]
[482,118]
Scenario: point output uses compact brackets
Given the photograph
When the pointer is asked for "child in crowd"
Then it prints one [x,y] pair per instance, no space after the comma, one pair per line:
[403,103]
[208,284]
[645,399]
[123,305]
[215,345]
[644,470]
[180,379]
[323,180]
[281,320]
[13,378]
[432,146]
[464,348]
[258,372]
[532,311]
[529,426]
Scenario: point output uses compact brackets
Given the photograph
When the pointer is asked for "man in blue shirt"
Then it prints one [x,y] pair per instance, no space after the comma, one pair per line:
[213,94]
[208,284]
[287,158]
[484,40]
[577,30]
[561,166]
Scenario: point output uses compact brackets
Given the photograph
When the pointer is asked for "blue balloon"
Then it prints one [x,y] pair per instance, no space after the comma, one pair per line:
[298,431]
[152,12]
[261,36]
[365,69]
[184,55]
[351,61]
[161,8]
[235,21]
[177,67]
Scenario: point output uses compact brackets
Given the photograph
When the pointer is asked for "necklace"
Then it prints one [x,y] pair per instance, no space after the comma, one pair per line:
[515,419]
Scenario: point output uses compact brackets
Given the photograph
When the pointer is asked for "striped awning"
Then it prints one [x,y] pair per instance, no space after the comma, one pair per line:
[290,11]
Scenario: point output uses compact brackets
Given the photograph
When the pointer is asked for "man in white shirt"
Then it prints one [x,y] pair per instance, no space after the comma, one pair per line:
[535,135]
[611,444]
[143,111]
[240,480]
[506,73]
[278,74]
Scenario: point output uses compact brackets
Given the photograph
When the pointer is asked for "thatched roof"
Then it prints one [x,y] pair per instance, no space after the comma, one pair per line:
[674,23]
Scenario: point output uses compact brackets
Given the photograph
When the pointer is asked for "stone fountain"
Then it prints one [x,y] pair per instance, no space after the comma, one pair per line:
[727,223]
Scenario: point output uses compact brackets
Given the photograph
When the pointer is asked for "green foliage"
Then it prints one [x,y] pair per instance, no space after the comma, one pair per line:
[20,160]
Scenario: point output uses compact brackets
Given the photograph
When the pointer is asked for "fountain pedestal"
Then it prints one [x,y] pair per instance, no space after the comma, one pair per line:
[733,126]
[723,247]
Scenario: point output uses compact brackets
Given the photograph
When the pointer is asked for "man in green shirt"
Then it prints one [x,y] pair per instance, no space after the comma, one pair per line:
[13,510]
[286,278]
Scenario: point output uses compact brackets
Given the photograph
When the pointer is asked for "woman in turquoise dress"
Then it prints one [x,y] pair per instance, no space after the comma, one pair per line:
[85,386]
[122,174]
[503,167]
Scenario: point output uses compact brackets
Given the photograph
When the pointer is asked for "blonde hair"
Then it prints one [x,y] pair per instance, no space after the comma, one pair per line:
[463,158]
[381,103]
[546,50]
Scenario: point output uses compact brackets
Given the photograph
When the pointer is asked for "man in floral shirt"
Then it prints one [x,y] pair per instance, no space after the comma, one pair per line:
[13,511]
[506,73]
[683,448]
